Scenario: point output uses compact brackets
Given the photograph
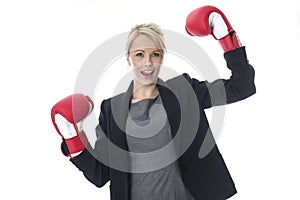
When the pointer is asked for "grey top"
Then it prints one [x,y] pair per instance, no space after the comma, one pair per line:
[148,130]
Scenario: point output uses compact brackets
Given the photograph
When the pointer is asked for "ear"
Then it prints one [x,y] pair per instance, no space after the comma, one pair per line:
[128,59]
[163,57]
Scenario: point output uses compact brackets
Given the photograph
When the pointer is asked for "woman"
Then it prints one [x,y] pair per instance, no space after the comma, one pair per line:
[133,128]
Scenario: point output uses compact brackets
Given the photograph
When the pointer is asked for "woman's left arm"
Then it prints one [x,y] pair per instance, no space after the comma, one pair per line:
[241,83]
[239,86]
[209,20]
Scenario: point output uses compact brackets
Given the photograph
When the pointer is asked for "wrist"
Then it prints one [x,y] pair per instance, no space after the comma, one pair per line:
[230,42]
[74,146]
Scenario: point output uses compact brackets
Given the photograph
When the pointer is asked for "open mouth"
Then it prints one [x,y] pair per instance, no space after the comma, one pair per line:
[147,73]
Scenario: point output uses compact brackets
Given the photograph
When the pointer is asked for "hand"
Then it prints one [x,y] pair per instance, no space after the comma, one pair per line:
[208,20]
[67,116]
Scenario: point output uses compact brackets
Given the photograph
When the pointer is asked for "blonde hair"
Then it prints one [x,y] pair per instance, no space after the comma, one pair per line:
[151,30]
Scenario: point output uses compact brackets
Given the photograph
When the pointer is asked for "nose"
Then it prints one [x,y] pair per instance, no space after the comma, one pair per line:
[148,60]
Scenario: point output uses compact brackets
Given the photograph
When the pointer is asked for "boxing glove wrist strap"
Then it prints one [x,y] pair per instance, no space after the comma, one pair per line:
[230,42]
[75,144]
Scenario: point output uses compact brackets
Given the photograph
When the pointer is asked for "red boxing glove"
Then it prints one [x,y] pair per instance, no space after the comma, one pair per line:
[67,116]
[208,20]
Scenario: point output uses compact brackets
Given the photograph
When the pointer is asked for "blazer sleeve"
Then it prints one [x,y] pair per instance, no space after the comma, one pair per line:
[239,86]
[87,162]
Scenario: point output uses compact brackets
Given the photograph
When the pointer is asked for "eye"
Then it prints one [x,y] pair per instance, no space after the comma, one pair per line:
[156,54]
[139,54]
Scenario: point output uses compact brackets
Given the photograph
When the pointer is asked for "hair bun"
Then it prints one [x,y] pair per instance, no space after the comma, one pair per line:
[151,26]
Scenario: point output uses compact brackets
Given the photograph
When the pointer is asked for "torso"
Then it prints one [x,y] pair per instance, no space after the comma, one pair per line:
[163,183]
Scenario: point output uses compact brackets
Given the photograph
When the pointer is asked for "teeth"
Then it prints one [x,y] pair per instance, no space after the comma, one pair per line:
[147,72]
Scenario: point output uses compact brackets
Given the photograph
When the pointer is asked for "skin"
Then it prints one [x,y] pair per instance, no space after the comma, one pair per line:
[145,59]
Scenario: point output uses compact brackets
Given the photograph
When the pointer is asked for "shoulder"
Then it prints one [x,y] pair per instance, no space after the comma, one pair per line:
[182,84]
[184,76]
[183,79]
[117,102]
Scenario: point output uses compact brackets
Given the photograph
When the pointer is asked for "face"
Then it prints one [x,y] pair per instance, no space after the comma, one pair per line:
[146,59]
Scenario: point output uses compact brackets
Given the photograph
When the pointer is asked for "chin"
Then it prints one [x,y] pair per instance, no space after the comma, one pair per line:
[146,82]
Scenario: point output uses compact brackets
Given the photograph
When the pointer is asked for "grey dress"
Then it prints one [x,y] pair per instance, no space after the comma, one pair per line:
[147,130]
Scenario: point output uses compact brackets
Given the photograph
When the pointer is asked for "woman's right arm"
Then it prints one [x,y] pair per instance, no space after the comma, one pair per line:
[87,161]
[92,168]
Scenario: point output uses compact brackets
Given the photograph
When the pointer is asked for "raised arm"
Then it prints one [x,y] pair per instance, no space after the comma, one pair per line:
[67,116]
[209,20]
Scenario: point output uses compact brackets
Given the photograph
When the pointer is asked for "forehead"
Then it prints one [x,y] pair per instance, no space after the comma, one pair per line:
[143,42]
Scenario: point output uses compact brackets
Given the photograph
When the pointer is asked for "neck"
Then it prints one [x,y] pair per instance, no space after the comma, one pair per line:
[141,92]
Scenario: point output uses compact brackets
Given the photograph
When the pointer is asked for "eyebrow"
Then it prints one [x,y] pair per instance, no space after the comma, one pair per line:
[144,50]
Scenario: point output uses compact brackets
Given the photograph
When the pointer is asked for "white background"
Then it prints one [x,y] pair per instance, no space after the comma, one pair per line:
[43,45]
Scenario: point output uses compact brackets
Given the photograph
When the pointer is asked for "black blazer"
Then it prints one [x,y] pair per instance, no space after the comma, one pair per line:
[207,178]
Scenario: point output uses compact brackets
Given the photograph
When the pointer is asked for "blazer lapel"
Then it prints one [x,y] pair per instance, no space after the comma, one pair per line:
[181,105]
[171,105]
[120,109]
